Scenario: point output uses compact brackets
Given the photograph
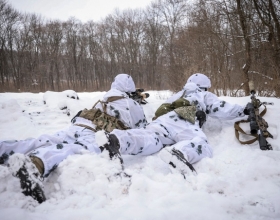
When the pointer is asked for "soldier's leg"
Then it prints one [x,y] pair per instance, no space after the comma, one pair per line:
[8,148]
[139,141]
[195,149]
[76,140]
[192,142]
[191,146]
[52,155]
[183,154]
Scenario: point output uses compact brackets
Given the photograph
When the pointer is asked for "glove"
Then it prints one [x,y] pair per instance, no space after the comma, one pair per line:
[201,117]
[245,111]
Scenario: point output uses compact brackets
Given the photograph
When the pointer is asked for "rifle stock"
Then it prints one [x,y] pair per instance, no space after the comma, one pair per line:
[139,96]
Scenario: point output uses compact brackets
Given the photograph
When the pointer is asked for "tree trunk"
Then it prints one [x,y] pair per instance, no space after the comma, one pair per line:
[247,65]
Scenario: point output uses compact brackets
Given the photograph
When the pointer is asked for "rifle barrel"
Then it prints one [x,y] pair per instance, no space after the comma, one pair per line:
[268,103]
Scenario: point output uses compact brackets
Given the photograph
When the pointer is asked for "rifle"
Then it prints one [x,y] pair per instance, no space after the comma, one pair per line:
[258,126]
[139,96]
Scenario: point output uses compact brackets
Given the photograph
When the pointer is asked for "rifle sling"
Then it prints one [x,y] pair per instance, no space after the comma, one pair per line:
[263,111]
[88,127]
[240,130]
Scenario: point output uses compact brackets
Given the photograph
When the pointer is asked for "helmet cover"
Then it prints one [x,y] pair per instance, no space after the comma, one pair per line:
[200,80]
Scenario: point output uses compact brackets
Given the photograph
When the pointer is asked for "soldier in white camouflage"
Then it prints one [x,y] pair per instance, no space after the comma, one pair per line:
[176,129]
[38,157]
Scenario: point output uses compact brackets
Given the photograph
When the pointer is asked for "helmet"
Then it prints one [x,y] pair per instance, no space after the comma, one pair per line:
[200,80]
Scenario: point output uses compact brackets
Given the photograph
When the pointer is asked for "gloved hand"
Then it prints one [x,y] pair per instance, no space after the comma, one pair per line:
[201,117]
[245,111]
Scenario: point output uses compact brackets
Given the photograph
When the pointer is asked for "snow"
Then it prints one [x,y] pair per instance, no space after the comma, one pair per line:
[239,182]
[101,138]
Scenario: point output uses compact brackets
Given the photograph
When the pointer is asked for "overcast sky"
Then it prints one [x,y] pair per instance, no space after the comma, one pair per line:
[84,10]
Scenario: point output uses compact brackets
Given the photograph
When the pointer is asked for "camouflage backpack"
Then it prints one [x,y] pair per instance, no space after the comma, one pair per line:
[181,106]
[102,120]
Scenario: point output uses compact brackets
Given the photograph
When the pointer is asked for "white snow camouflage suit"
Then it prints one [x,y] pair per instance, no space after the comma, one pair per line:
[52,149]
[170,129]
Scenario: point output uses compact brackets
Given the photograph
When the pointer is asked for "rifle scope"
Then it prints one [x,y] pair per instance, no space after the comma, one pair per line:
[252,118]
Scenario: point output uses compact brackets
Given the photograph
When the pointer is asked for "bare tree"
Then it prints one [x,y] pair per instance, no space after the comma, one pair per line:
[154,42]
[228,40]
[8,22]
[173,15]
[269,14]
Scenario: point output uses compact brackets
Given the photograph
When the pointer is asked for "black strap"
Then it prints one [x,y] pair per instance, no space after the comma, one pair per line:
[77,115]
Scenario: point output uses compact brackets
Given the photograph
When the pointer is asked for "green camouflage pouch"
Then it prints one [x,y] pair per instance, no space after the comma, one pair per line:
[187,113]
[163,109]
[180,103]
[168,107]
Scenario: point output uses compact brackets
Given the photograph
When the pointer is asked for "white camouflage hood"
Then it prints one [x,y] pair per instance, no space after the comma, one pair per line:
[124,83]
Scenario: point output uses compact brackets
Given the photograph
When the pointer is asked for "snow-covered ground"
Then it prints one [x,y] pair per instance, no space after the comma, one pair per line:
[240,182]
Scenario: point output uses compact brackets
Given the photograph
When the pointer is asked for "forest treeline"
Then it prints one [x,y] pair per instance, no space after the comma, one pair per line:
[231,41]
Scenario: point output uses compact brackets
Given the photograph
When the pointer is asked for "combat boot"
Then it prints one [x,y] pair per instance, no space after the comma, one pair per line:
[176,159]
[29,176]
[4,158]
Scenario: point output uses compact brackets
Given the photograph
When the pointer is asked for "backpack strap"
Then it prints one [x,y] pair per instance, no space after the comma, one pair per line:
[114,98]
[183,94]
[110,99]
[100,118]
